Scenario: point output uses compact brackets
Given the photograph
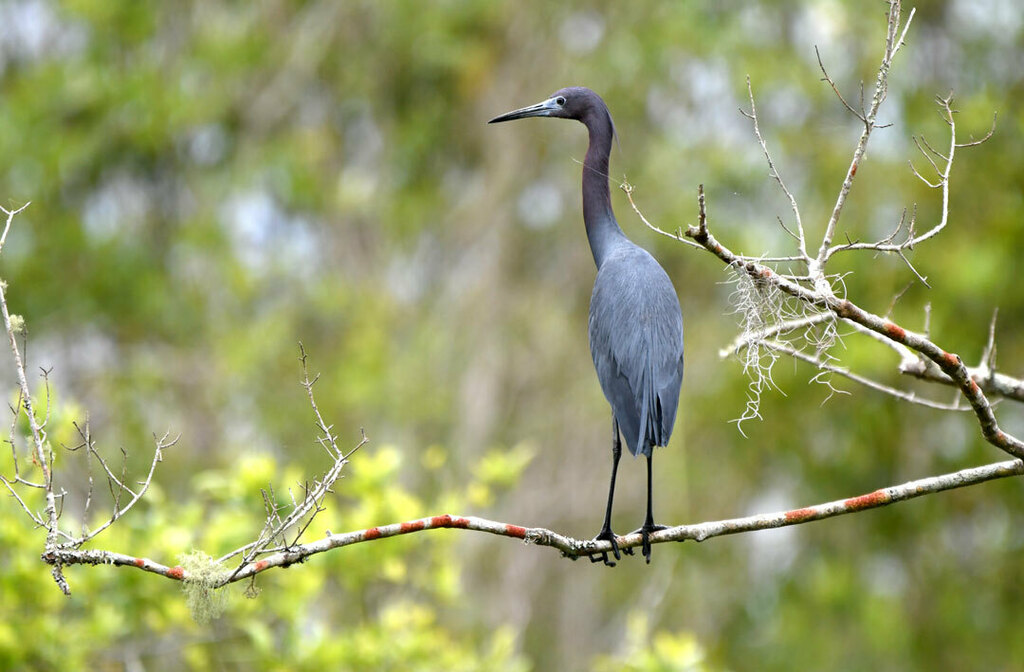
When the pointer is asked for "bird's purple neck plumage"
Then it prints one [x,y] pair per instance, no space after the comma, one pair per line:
[603,231]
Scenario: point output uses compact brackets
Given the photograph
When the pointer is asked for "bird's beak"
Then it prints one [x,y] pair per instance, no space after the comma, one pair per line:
[546,108]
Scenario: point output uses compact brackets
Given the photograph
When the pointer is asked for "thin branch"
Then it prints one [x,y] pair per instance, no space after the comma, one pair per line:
[990,383]
[988,355]
[903,395]
[10,219]
[991,131]
[678,237]
[10,487]
[774,173]
[905,353]
[783,327]
[162,444]
[860,115]
[896,299]
[928,158]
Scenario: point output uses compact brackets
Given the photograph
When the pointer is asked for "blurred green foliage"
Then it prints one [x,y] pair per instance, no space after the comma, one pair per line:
[377,608]
[212,182]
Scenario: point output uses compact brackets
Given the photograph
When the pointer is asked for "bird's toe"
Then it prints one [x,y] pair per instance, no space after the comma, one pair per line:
[645,535]
[609,536]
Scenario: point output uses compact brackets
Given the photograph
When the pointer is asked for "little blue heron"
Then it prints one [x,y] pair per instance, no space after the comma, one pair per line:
[636,326]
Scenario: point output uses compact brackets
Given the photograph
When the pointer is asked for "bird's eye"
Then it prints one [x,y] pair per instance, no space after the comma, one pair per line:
[560,100]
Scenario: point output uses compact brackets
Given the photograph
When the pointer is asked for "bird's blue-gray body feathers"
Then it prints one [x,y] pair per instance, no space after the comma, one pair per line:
[636,340]
[636,328]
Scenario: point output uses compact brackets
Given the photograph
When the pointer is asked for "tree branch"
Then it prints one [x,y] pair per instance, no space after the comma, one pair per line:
[43,455]
[570,547]
[949,363]
[13,327]
[892,45]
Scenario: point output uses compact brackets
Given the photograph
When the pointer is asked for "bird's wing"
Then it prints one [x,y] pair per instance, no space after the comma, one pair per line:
[636,340]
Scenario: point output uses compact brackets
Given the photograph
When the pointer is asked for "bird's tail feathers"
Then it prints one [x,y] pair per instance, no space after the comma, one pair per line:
[650,434]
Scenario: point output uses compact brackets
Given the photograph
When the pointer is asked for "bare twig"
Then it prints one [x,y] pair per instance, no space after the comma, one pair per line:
[861,114]
[774,173]
[680,236]
[162,443]
[942,175]
[10,219]
[824,366]
[38,433]
[991,132]
[892,46]
[303,510]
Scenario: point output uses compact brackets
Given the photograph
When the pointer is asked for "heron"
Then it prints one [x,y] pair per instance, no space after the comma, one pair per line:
[635,324]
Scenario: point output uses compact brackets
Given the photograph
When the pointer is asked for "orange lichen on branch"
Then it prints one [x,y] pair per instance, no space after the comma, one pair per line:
[799,515]
[447,521]
[516,531]
[866,501]
[895,332]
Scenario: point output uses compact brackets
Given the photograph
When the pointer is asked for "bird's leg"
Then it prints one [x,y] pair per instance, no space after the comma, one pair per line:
[648,525]
[606,533]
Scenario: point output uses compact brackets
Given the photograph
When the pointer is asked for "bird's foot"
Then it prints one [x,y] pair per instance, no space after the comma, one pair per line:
[602,556]
[645,533]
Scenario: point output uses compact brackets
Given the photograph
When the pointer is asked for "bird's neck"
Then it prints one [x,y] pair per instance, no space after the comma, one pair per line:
[603,231]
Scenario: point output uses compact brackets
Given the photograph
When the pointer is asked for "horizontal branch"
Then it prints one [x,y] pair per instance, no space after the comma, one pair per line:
[569,546]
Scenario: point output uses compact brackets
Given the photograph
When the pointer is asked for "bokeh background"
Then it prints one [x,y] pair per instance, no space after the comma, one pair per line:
[213,182]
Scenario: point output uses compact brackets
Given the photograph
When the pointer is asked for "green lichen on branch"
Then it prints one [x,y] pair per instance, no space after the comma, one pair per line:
[202,576]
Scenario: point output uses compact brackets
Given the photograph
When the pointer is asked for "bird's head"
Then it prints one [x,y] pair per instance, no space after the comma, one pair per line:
[574,102]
